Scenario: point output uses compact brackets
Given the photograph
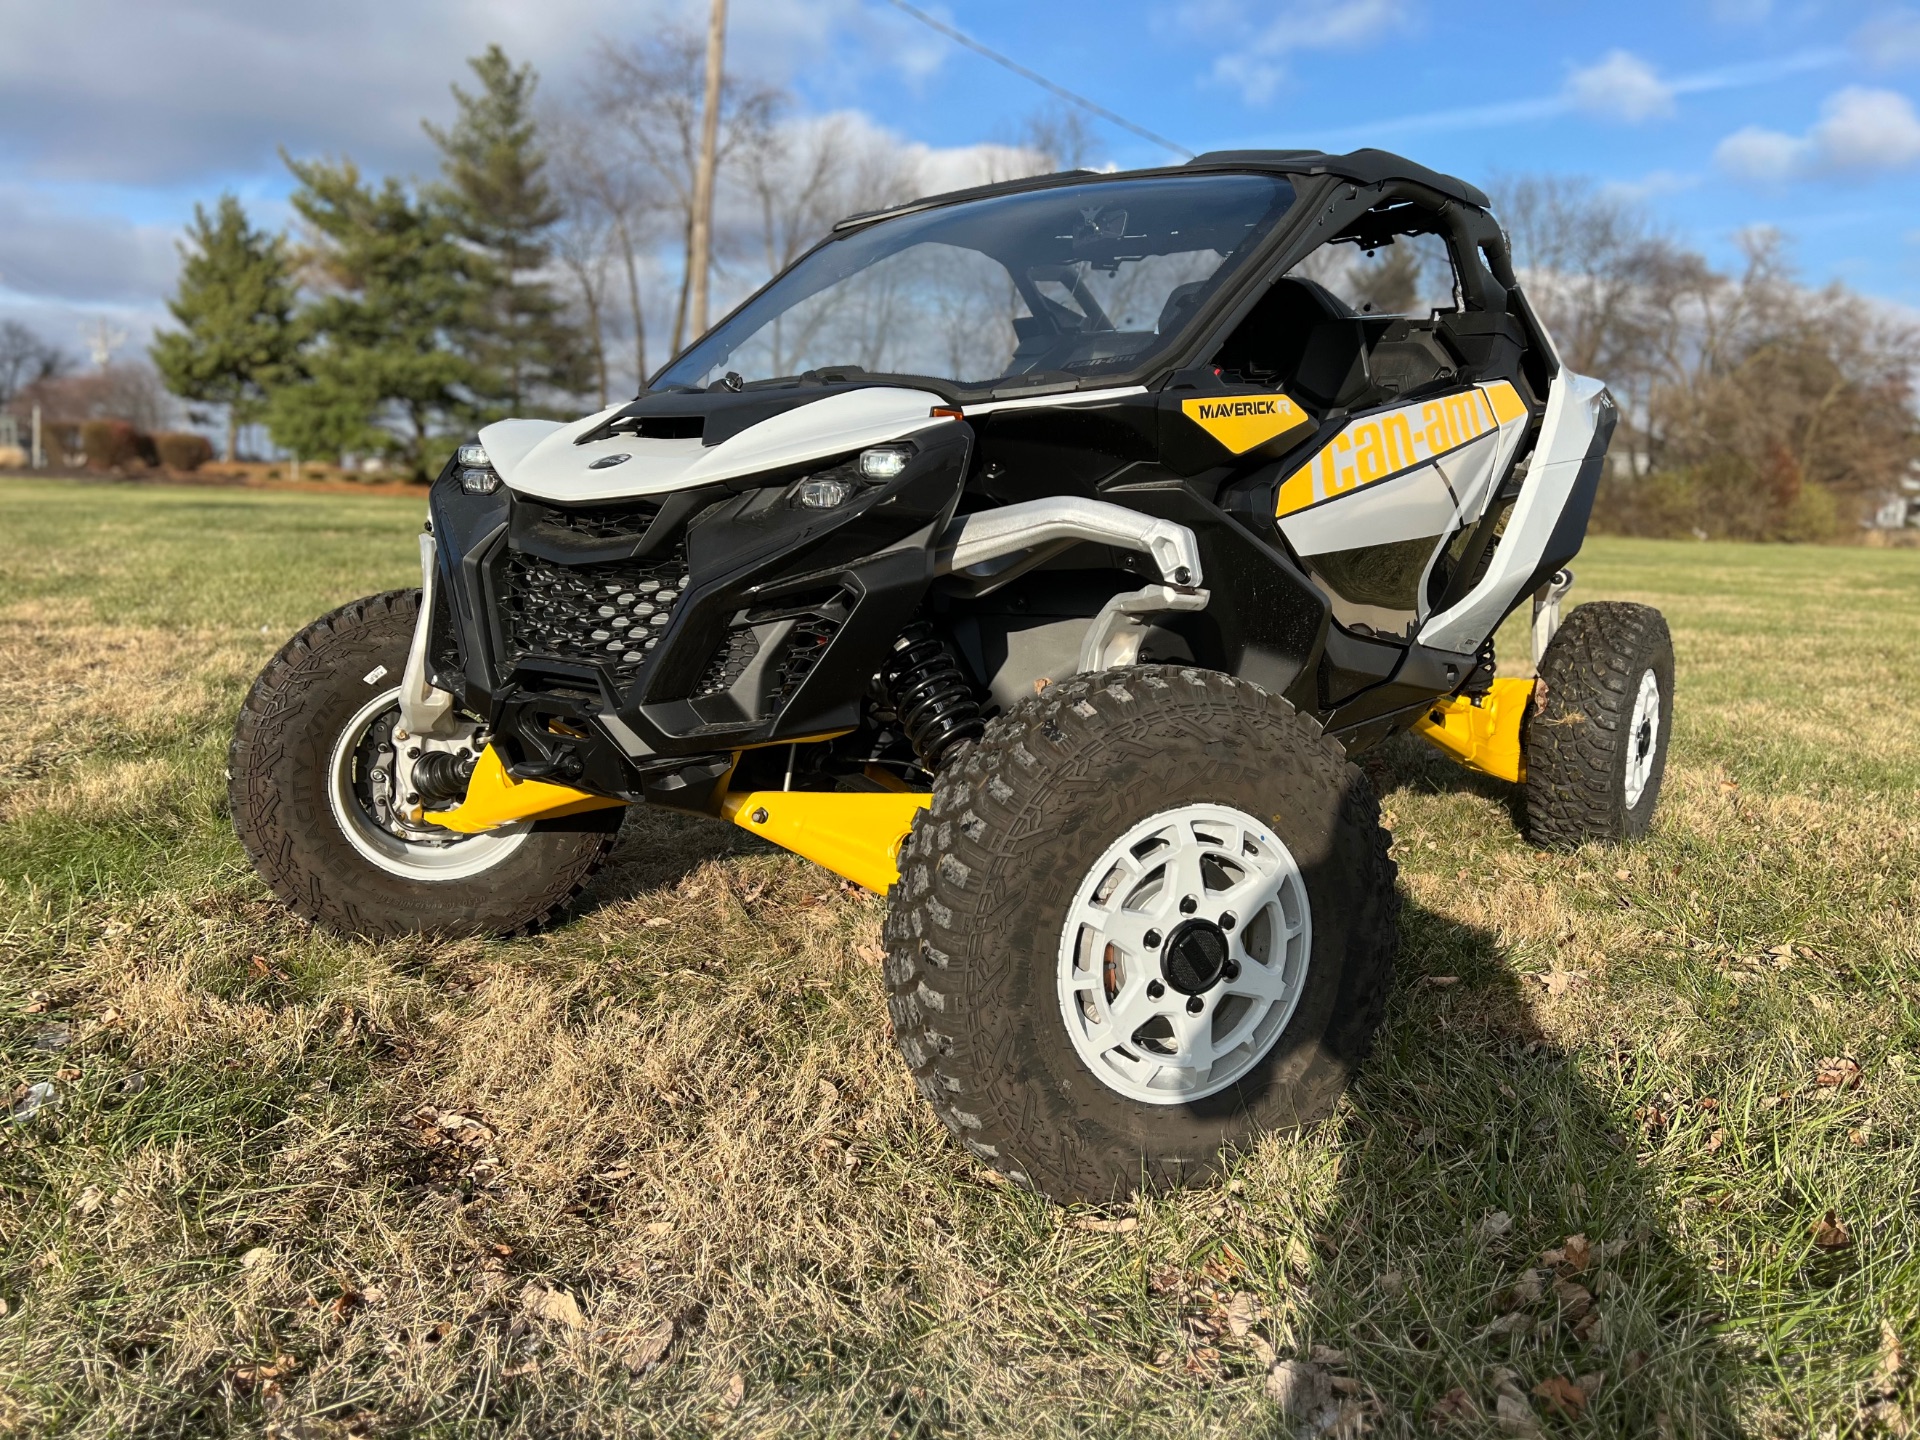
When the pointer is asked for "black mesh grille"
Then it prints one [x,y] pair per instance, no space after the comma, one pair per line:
[728,664]
[625,522]
[806,643]
[611,614]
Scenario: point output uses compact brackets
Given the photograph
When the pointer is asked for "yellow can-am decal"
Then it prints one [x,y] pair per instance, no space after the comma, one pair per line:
[1378,447]
[1244,422]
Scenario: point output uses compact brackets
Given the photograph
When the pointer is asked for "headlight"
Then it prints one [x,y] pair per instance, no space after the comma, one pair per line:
[479,482]
[823,492]
[474,455]
[883,462]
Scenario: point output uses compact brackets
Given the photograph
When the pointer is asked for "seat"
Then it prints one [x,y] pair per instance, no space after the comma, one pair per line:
[1303,338]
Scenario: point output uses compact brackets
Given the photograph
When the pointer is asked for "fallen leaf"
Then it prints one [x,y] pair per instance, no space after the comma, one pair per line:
[1345,1385]
[647,1349]
[658,1227]
[258,1255]
[1456,1406]
[1623,874]
[736,1391]
[1392,1284]
[1830,1234]
[1262,1350]
[1516,1417]
[1840,1072]
[1563,1396]
[1591,1382]
[1715,1140]
[1528,1289]
[871,953]
[1893,1359]
[656,922]
[545,1303]
[1298,1388]
[1493,1225]
[1328,1355]
[1242,1312]
[1577,1251]
[1424,1137]
[1442,981]
[1126,1225]
[89,1200]
[1516,1322]
[1589,1330]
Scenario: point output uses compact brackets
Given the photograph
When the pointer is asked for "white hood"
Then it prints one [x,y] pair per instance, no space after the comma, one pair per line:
[539,457]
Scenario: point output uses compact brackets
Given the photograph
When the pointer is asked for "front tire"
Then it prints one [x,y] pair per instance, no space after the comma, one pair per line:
[298,789]
[1597,749]
[1149,916]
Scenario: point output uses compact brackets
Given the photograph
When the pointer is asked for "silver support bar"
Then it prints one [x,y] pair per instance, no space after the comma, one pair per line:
[1116,634]
[423,707]
[1546,612]
[1028,533]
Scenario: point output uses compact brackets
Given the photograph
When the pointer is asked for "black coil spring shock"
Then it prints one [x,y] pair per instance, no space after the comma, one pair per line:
[931,695]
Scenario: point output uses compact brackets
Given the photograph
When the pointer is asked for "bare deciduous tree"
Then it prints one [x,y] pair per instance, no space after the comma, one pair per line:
[647,96]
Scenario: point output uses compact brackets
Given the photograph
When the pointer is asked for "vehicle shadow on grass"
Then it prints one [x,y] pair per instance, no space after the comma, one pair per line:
[1494,1255]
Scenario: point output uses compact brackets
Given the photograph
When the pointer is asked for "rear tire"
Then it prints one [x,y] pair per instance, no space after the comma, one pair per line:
[1597,749]
[1020,973]
[336,865]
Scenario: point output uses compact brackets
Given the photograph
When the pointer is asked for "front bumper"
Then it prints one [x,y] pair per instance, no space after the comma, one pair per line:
[611,643]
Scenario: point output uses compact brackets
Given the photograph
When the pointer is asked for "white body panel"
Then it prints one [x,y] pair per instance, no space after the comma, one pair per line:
[1566,434]
[539,457]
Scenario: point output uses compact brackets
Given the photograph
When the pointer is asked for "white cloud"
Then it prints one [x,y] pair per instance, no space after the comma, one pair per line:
[146,94]
[1651,186]
[1621,87]
[1860,131]
[1260,42]
[1890,40]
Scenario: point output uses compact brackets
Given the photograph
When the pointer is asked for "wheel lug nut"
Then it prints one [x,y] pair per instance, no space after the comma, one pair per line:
[1232,970]
[1196,1005]
[1152,937]
[1155,989]
[1188,905]
[1227,921]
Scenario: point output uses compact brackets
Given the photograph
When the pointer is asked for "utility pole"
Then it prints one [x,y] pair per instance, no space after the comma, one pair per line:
[700,242]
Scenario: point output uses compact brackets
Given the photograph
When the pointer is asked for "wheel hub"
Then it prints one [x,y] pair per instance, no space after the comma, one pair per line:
[1184,954]
[1195,957]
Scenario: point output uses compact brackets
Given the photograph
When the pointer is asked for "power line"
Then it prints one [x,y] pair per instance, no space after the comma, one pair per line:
[960,38]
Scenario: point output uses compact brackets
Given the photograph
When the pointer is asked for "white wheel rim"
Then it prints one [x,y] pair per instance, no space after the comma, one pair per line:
[1128,933]
[458,857]
[1643,738]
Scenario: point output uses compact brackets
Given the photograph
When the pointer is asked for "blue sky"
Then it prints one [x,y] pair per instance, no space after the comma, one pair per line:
[115,115]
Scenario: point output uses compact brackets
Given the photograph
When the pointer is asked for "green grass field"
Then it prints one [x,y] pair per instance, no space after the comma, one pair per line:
[1636,1156]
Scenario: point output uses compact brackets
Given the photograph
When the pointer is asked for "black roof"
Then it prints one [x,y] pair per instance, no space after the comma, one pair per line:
[1367,167]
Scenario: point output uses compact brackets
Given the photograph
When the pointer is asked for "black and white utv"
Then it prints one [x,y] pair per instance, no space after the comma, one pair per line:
[1038,555]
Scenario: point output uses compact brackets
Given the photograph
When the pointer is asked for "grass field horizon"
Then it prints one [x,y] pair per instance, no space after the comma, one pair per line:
[1636,1154]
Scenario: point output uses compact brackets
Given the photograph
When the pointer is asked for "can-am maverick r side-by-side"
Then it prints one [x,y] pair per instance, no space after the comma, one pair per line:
[1038,555]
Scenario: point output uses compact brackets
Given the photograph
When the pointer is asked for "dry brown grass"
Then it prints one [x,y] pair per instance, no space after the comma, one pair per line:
[661,1172]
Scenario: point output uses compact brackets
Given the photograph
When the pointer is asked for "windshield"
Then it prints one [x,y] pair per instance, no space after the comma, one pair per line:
[1080,280]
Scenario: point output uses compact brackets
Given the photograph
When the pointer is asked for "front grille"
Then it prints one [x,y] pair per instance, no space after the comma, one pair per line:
[610,614]
[729,663]
[610,522]
[806,643]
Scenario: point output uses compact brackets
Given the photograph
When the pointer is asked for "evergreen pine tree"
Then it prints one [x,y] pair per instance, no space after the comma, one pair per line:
[234,302]
[378,369]
[525,346]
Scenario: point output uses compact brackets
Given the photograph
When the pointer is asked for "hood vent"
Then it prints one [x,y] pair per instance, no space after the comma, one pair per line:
[648,427]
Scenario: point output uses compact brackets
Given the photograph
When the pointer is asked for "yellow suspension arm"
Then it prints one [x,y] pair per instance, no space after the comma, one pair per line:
[855,835]
[1482,734]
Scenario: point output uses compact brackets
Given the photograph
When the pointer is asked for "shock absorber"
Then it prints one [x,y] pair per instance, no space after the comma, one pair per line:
[931,695]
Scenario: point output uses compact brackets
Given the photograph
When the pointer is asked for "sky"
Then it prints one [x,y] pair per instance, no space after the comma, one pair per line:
[116,116]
